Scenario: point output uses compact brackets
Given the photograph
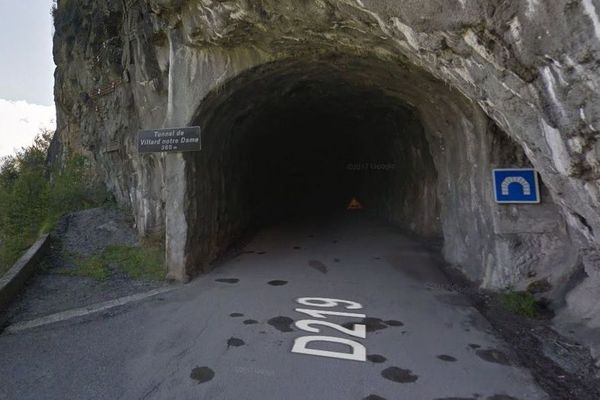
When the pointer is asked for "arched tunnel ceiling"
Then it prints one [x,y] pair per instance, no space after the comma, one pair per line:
[367,82]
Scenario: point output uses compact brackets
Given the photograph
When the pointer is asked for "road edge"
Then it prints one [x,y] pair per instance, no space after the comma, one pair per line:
[13,281]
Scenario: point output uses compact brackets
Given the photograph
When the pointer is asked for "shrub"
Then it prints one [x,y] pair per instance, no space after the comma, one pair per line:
[521,303]
[34,196]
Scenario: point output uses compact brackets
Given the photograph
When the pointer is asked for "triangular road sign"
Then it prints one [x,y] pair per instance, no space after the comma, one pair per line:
[355,204]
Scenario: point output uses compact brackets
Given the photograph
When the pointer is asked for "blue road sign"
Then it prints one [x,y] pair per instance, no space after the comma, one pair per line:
[516,186]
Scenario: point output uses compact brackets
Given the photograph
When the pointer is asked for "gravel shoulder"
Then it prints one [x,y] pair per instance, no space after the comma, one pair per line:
[59,284]
[561,365]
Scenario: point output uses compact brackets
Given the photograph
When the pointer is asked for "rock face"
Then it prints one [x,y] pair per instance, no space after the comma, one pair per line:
[444,90]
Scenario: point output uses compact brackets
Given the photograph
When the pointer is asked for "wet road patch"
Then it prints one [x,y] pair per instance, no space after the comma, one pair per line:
[394,323]
[376,358]
[235,342]
[278,283]
[227,280]
[399,375]
[455,398]
[374,397]
[474,346]
[250,322]
[318,265]
[202,374]
[236,315]
[374,324]
[493,356]
[447,358]
[282,324]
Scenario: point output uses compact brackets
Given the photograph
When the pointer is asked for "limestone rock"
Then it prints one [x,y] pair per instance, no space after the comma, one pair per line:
[492,84]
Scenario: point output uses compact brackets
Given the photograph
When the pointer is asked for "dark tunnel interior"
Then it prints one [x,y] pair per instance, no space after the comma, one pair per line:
[277,153]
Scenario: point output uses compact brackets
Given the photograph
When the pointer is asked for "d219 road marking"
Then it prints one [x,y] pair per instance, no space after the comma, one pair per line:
[358,350]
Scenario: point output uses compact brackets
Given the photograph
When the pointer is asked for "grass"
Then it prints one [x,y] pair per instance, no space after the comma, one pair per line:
[93,268]
[521,303]
[139,263]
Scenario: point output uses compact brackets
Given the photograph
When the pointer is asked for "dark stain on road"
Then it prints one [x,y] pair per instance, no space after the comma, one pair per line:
[261,253]
[394,323]
[501,397]
[493,356]
[250,322]
[453,299]
[235,342]
[373,324]
[318,265]
[447,358]
[282,324]
[474,346]
[399,375]
[376,358]
[455,398]
[228,280]
[278,283]
[336,260]
[374,397]
[202,374]
[236,315]
[297,248]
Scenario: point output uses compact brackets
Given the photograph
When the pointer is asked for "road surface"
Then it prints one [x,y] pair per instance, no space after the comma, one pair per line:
[243,331]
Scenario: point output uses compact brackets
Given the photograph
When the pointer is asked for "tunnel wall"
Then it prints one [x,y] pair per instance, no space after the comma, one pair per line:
[530,67]
[373,130]
[499,246]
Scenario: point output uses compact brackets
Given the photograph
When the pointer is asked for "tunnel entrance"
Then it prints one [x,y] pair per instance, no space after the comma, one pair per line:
[300,138]
[282,147]
[320,145]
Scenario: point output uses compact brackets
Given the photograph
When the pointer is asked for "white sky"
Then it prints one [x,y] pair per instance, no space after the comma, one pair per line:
[26,72]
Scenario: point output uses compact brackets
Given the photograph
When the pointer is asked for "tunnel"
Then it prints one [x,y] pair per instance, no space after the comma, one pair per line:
[297,139]
[304,144]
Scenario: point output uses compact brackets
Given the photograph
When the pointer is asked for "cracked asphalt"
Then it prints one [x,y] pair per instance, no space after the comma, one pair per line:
[230,334]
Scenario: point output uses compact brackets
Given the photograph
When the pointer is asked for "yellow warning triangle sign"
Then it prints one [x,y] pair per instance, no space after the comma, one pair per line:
[355,204]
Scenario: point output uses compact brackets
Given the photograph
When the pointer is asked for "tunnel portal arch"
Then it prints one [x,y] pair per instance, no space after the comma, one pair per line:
[441,144]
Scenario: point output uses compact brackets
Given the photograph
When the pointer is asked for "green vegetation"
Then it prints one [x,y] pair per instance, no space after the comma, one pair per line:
[521,303]
[146,262]
[34,195]
[92,267]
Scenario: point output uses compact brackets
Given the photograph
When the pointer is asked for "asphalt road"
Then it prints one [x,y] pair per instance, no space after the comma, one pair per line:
[230,334]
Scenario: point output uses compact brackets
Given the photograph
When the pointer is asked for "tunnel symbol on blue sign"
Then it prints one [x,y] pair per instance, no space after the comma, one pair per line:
[516,186]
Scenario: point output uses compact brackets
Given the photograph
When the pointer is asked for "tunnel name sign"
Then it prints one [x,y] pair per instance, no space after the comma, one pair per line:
[173,140]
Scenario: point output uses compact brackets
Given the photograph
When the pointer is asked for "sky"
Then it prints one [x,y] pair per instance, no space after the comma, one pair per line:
[26,72]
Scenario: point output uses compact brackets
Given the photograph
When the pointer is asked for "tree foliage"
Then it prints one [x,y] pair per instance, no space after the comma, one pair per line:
[33,195]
